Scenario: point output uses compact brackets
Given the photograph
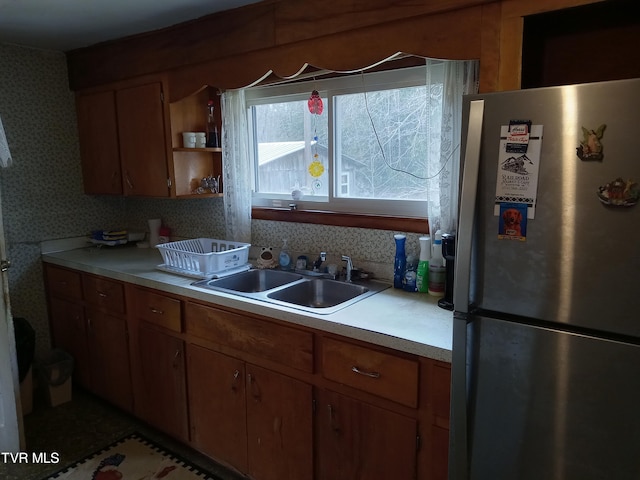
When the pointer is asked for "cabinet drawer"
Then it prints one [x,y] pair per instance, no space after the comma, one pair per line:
[262,338]
[104,293]
[159,310]
[382,374]
[64,282]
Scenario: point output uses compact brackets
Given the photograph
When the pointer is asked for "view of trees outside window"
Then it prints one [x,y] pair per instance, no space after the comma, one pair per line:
[286,135]
[380,140]
[381,137]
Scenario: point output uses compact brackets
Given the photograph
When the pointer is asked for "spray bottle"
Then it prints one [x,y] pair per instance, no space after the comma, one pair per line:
[422,279]
[400,262]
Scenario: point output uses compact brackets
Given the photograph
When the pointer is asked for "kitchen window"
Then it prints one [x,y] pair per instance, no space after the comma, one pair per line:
[366,153]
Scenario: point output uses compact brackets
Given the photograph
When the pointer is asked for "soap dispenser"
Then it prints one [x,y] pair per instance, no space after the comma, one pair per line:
[284,259]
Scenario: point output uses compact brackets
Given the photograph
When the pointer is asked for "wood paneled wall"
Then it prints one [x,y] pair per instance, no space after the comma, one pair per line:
[235,48]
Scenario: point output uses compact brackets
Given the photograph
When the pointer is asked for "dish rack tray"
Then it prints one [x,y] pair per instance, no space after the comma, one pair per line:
[204,256]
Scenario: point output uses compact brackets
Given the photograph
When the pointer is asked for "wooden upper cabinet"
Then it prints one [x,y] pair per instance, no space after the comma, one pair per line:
[143,141]
[131,141]
[99,151]
[124,140]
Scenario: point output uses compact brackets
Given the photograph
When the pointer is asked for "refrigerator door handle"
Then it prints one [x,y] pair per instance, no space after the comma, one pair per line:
[458,439]
[458,442]
[468,207]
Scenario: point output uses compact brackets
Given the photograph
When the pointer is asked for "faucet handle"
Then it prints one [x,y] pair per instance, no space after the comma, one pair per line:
[321,258]
[347,259]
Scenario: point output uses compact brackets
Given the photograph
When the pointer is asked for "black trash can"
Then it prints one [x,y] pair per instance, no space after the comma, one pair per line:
[25,337]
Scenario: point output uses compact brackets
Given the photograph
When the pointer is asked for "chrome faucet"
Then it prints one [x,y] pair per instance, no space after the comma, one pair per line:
[349,267]
[321,258]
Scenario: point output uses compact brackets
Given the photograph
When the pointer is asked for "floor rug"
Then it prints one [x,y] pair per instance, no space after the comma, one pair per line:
[134,457]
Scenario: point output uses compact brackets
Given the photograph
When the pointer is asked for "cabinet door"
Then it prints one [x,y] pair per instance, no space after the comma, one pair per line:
[109,358]
[69,333]
[217,407]
[358,441]
[279,426]
[162,396]
[143,146]
[98,135]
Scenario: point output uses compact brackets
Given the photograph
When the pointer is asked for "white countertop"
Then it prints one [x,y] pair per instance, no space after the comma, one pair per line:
[409,322]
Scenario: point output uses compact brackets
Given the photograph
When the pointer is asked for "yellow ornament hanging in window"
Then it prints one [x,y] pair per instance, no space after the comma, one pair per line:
[316,169]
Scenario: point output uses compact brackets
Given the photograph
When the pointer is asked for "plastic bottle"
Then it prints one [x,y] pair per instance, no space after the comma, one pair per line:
[164,234]
[284,259]
[213,140]
[400,262]
[410,273]
[154,232]
[422,276]
[437,272]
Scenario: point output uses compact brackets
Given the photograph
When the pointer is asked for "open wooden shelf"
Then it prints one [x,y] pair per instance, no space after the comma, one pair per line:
[191,165]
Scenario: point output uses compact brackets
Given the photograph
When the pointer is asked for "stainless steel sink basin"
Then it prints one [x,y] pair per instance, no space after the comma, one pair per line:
[309,293]
[255,280]
[318,293]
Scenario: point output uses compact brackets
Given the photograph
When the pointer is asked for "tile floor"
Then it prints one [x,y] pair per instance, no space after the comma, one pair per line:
[82,426]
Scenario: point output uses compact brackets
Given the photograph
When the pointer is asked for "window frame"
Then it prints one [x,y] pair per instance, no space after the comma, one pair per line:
[344,209]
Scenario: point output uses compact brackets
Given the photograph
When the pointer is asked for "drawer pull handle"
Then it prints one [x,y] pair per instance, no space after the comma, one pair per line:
[155,310]
[355,369]
[102,294]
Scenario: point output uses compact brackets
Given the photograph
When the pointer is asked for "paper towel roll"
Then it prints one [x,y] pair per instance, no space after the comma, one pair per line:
[154,231]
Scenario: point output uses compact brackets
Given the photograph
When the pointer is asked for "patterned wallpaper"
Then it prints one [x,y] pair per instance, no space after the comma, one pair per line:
[42,198]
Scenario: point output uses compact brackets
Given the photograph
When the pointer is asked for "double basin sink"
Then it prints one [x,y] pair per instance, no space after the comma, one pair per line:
[309,293]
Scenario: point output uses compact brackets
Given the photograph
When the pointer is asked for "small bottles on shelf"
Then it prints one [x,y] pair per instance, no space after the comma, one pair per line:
[213,138]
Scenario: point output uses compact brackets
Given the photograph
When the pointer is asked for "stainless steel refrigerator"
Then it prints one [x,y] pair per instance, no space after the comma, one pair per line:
[546,343]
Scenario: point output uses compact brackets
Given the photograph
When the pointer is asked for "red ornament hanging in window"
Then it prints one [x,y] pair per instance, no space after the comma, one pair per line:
[315,103]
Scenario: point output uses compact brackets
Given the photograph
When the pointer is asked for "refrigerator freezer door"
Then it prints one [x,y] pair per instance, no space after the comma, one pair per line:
[547,404]
[580,262]
[468,192]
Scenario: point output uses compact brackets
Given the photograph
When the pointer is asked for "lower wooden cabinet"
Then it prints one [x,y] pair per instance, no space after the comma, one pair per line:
[279,426]
[359,441]
[161,390]
[217,405]
[271,400]
[87,320]
[254,419]
[109,358]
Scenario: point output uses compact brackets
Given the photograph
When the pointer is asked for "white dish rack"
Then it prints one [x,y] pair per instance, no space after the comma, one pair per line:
[204,257]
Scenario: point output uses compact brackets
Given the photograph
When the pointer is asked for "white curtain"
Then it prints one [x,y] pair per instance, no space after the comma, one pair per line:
[236,167]
[447,82]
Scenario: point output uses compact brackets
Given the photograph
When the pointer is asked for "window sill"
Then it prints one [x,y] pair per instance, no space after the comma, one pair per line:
[321,217]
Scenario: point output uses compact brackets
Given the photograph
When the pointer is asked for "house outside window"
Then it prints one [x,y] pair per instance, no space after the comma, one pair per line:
[366,153]
[344,184]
